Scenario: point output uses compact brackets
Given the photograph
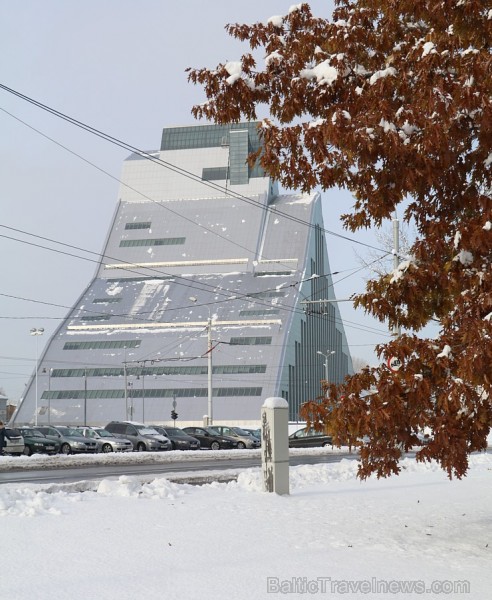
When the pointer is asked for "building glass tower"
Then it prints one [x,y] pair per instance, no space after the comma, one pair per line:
[203,296]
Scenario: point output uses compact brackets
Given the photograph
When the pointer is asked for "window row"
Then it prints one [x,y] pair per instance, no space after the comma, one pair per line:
[268,294]
[250,341]
[153,242]
[151,371]
[105,345]
[136,225]
[150,393]
[109,300]
[108,345]
[258,313]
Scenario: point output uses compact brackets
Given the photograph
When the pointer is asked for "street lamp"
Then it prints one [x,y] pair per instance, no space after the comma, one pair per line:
[49,372]
[36,331]
[326,356]
[130,406]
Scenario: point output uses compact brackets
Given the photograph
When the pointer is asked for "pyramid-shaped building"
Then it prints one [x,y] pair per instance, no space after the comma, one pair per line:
[209,296]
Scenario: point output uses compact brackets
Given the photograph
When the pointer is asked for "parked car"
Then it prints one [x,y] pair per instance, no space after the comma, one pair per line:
[70,440]
[254,432]
[308,438]
[424,438]
[180,440]
[209,438]
[143,437]
[36,442]
[105,440]
[243,438]
[14,442]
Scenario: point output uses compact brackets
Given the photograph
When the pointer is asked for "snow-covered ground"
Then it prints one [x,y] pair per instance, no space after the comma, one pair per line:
[332,537]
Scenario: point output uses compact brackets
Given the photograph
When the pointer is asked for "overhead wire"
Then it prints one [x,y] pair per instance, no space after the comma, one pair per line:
[170,166]
[183,173]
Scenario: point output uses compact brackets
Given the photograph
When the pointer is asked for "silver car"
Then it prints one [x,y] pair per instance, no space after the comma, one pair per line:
[105,440]
[243,438]
[14,442]
[143,437]
[71,441]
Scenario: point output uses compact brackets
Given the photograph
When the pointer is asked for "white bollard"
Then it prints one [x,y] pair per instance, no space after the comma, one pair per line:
[275,445]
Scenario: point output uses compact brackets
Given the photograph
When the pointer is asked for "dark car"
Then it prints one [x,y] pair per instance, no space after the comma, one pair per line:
[309,438]
[70,440]
[143,437]
[36,442]
[243,438]
[209,438]
[180,440]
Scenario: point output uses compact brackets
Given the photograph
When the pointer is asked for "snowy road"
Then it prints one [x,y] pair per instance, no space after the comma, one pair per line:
[176,465]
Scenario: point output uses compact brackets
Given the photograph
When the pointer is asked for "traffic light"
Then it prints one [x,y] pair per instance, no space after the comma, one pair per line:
[174,415]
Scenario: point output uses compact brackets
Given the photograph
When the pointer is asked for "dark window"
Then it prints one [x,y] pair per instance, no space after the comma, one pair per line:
[105,345]
[215,173]
[106,300]
[258,313]
[152,242]
[96,318]
[250,341]
[135,225]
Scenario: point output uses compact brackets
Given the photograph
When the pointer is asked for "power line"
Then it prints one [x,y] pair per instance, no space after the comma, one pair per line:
[170,166]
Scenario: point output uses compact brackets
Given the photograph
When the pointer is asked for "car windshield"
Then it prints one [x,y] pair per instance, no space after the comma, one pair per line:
[240,431]
[32,433]
[212,431]
[147,430]
[69,432]
[103,433]
[175,432]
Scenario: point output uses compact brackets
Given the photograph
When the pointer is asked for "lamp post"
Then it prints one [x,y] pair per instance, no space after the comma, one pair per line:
[49,372]
[130,406]
[326,356]
[143,391]
[36,331]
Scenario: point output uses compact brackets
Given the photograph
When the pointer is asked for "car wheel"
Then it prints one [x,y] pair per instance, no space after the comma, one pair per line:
[215,446]
[107,448]
[241,445]
[65,449]
[27,451]
[141,447]
[325,444]
[173,446]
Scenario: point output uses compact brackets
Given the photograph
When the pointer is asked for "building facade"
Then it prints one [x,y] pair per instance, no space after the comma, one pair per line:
[204,299]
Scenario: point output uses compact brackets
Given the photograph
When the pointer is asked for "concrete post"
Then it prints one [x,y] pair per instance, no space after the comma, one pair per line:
[275,445]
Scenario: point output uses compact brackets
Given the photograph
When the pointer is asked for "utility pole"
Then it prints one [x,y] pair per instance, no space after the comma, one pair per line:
[210,403]
[126,388]
[85,396]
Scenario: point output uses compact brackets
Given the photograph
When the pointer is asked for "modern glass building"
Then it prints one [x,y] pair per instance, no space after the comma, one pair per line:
[208,296]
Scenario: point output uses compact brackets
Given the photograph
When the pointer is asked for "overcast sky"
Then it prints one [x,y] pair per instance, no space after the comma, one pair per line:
[119,66]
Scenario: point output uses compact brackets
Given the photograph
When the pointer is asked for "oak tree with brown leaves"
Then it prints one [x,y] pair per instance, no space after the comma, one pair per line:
[391,100]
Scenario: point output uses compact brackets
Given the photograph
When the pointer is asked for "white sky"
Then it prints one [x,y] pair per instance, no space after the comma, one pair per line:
[118,66]
[142,537]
